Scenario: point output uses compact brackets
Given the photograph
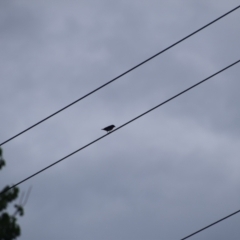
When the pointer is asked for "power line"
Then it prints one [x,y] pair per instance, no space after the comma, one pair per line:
[210,225]
[119,76]
[168,100]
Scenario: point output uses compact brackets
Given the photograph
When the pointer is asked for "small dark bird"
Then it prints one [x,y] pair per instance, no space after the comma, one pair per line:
[109,128]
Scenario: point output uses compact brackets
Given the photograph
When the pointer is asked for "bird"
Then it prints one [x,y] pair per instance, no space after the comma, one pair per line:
[109,128]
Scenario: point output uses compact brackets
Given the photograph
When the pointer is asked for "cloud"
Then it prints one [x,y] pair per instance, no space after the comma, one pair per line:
[165,175]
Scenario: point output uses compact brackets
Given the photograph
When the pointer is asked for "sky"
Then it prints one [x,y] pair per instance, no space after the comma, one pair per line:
[163,176]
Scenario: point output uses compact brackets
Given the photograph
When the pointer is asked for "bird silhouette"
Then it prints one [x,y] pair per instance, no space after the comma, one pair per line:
[109,128]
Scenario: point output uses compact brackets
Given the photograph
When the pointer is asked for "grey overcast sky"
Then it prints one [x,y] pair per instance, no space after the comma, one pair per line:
[163,176]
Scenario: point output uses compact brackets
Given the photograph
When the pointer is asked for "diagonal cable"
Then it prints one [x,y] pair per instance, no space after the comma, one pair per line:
[119,76]
[141,115]
[210,225]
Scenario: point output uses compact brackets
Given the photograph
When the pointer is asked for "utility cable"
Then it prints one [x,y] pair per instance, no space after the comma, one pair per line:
[141,115]
[119,76]
[210,225]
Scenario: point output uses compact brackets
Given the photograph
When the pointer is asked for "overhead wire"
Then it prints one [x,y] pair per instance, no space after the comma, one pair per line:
[141,115]
[210,225]
[119,76]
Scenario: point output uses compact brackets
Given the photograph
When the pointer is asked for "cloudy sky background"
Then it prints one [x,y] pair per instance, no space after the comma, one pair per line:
[163,176]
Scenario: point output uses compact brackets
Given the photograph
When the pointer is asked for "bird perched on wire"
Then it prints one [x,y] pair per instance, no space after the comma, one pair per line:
[109,128]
